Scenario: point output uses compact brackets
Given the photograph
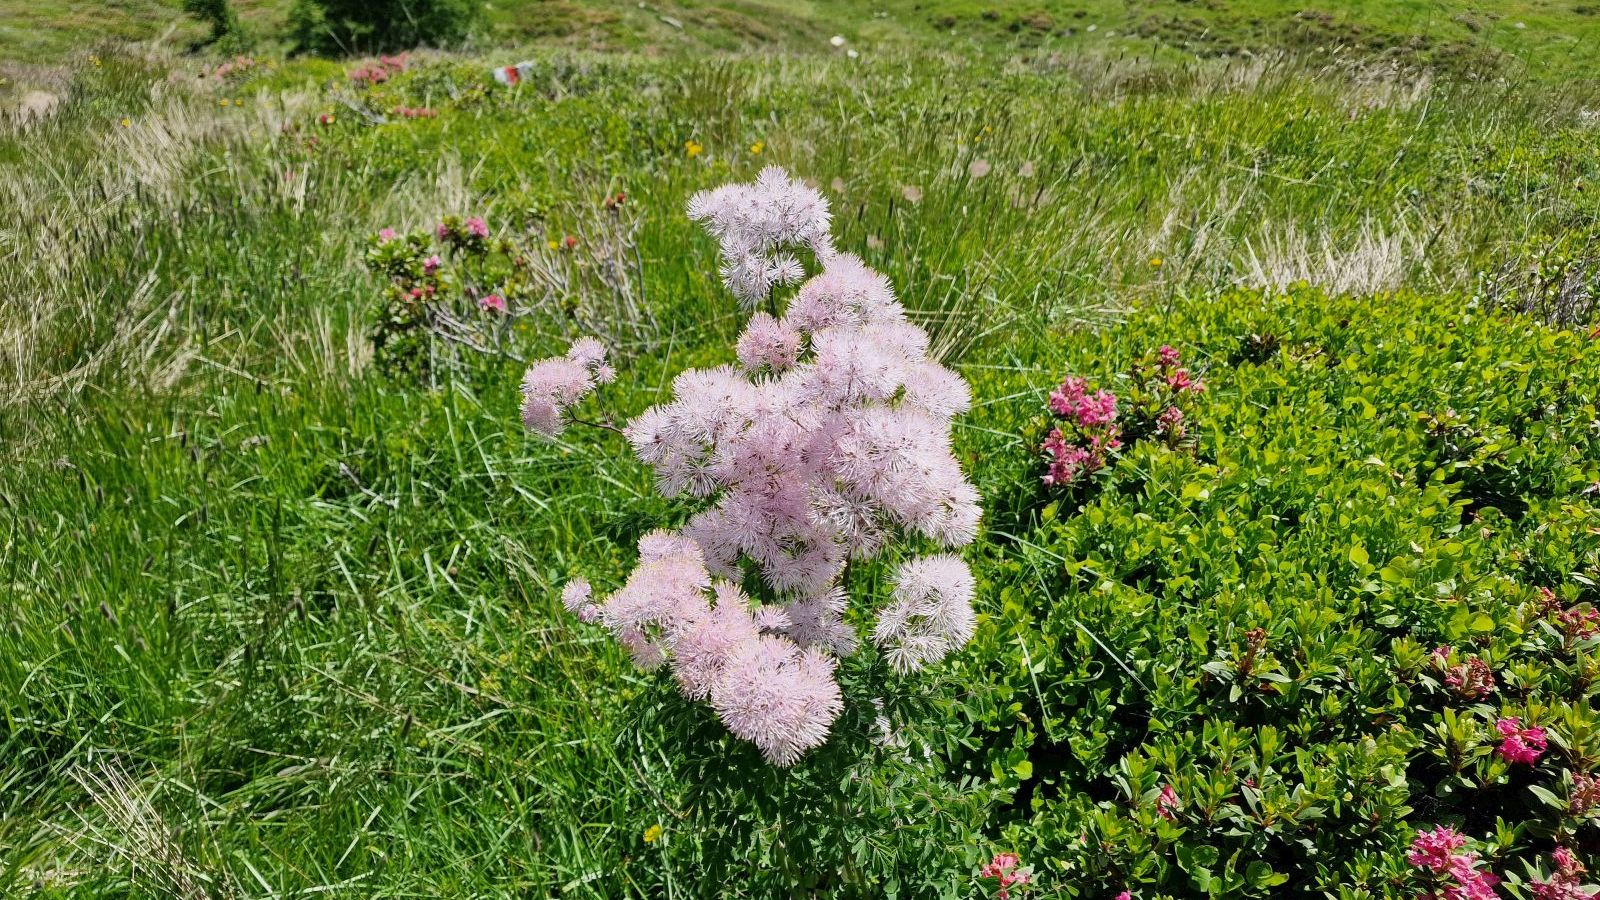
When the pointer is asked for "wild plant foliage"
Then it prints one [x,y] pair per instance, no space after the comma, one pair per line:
[827,443]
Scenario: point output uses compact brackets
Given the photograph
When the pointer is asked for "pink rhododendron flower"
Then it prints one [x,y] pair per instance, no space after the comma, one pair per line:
[386,235]
[1003,868]
[1520,745]
[1167,803]
[1167,356]
[1453,871]
[1067,461]
[1072,401]
[477,228]
[1434,849]
[492,303]
[1180,381]
[431,264]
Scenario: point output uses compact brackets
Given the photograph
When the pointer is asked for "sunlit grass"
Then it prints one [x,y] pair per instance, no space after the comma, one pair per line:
[306,614]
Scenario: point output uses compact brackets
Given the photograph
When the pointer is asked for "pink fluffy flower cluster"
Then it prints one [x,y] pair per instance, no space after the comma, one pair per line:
[723,647]
[759,225]
[552,386]
[1452,870]
[828,442]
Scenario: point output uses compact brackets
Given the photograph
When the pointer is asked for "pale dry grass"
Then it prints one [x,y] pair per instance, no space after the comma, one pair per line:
[143,173]
[1375,260]
[122,828]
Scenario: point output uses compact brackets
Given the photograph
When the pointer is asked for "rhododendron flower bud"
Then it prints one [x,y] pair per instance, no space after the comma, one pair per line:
[1585,793]
[1170,422]
[1566,883]
[1167,802]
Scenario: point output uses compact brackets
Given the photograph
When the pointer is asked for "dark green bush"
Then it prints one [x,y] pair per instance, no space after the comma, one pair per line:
[219,15]
[375,26]
[1254,623]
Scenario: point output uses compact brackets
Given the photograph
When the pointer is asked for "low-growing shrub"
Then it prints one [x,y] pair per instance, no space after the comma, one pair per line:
[1089,427]
[219,16]
[462,288]
[1358,608]
[374,26]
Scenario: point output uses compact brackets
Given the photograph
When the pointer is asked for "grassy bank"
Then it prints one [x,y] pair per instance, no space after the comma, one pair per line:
[282,624]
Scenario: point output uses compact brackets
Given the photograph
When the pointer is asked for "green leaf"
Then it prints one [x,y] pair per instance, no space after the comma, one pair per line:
[1260,875]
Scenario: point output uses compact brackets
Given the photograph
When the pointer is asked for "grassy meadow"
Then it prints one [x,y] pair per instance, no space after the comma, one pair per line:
[280,622]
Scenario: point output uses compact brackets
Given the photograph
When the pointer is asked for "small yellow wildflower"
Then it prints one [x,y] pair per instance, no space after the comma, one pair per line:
[693,147]
[554,245]
[125,122]
[1156,261]
[223,102]
[652,834]
[94,59]
[757,147]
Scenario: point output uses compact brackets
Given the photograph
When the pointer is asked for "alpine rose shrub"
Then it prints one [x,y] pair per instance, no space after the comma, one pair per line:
[828,443]
[1093,425]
